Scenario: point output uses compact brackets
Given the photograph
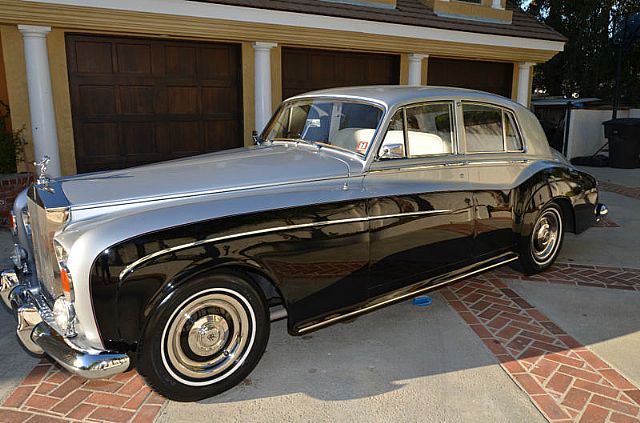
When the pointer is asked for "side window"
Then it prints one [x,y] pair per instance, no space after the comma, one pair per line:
[483,128]
[490,129]
[429,129]
[514,142]
[393,144]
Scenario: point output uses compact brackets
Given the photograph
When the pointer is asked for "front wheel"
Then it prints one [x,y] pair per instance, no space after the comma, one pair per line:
[205,338]
[539,250]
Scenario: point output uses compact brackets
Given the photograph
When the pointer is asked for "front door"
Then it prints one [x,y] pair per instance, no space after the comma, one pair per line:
[421,205]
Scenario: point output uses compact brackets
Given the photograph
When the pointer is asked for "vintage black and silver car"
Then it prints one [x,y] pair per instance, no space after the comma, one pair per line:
[352,199]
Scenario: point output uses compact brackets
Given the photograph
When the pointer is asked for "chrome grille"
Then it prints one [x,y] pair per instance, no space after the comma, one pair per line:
[44,224]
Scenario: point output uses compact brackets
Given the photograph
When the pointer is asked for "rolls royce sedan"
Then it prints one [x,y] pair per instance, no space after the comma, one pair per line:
[352,199]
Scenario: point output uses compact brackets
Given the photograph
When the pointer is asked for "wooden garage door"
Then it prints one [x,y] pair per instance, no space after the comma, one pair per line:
[136,101]
[307,70]
[493,77]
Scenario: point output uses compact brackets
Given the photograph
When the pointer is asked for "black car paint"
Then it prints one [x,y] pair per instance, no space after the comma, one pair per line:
[327,271]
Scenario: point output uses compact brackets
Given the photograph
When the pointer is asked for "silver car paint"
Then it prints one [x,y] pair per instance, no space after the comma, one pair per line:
[102,217]
[216,172]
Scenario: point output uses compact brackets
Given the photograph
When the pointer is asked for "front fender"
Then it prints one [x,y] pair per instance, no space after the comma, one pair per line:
[315,256]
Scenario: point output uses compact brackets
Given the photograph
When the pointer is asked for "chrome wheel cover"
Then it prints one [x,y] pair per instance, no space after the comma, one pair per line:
[208,337]
[546,236]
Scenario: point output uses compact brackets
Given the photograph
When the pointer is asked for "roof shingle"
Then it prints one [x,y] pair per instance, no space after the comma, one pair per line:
[409,12]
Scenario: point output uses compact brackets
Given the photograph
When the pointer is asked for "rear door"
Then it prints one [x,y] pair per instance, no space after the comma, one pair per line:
[496,158]
[421,219]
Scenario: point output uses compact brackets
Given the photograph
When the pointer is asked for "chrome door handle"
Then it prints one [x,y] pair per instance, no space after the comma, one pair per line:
[456,164]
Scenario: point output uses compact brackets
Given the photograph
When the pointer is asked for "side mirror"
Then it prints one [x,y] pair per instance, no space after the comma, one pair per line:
[391,151]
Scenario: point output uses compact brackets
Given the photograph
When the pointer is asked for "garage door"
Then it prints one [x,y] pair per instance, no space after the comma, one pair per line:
[307,70]
[136,101]
[493,77]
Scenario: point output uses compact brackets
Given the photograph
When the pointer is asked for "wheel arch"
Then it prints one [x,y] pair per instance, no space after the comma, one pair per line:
[567,212]
[264,283]
[565,187]
[134,297]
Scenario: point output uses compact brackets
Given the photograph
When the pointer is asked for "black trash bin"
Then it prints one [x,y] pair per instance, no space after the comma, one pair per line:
[624,142]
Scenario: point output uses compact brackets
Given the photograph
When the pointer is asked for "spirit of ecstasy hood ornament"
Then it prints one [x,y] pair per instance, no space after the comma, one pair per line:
[41,171]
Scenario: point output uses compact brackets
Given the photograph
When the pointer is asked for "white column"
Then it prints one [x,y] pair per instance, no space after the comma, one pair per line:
[497,4]
[524,73]
[415,68]
[43,118]
[262,63]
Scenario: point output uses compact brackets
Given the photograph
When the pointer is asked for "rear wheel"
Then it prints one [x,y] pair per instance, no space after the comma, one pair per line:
[539,250]
[205,338]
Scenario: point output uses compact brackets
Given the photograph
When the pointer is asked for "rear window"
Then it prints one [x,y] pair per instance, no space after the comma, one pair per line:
[490,129]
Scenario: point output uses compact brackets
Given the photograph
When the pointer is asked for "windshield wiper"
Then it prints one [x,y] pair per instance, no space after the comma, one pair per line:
[296,140]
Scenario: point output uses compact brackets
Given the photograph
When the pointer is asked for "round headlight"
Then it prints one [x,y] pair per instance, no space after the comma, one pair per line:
[64,315]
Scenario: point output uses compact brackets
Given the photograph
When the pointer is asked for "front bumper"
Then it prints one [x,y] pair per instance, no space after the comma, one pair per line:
[34,329]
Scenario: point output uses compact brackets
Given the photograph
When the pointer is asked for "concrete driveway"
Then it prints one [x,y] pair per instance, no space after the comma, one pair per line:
[561,346]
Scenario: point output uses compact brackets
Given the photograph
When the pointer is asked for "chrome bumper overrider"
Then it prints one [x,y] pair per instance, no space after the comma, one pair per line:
[35,333]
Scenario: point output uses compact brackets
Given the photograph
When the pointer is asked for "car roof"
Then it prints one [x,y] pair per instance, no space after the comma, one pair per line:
[390,95]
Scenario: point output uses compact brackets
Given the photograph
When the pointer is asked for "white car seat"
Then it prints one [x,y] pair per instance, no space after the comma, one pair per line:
[350,138]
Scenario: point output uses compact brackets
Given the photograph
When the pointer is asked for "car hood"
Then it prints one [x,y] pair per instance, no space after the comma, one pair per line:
[210,173]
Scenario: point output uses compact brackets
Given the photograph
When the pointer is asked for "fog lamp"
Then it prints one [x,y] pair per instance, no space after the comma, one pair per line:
[64,314]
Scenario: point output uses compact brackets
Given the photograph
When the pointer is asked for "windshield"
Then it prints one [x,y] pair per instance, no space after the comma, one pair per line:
[344,124]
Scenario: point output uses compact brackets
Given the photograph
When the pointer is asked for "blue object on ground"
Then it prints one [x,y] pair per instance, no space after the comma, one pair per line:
[422,301]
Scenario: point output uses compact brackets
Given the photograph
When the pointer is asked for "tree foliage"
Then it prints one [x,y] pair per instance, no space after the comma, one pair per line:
[11,143]
[587,66]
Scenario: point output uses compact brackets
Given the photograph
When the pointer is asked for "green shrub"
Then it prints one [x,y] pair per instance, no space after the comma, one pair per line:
[11,143]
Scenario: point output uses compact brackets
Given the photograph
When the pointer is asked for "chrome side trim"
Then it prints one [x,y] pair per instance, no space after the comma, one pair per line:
[494,162]
[146,258]
[504,259]
[408,214]
[400,168]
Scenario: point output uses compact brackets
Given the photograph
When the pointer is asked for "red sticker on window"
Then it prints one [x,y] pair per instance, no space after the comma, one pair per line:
[362,146]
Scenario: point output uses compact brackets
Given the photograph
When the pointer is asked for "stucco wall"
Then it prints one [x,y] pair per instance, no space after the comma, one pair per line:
[586,133]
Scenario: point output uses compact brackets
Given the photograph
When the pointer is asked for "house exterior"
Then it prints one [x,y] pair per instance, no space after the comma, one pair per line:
[104,84]
[575,127]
